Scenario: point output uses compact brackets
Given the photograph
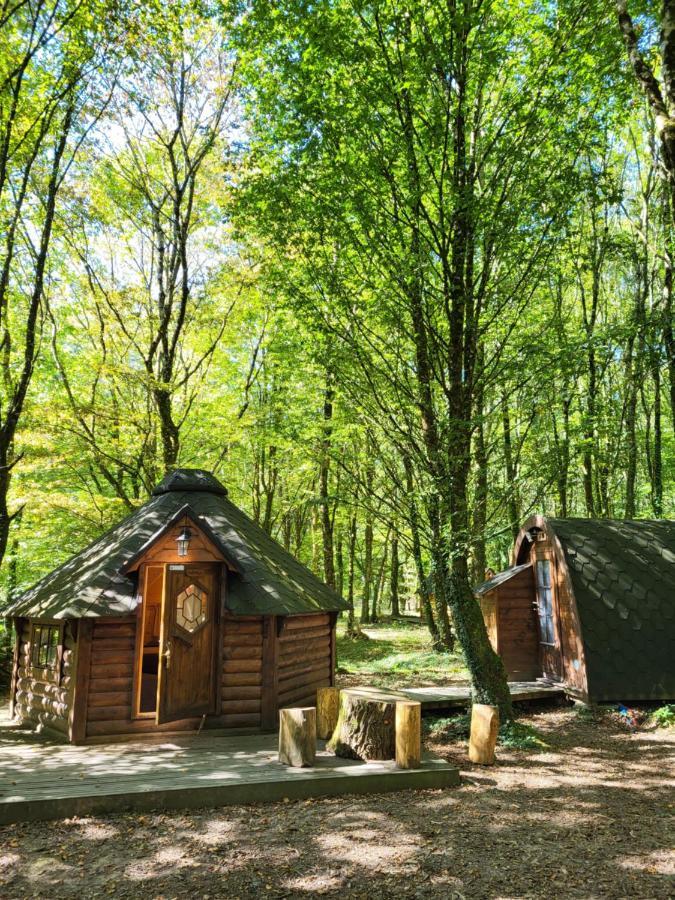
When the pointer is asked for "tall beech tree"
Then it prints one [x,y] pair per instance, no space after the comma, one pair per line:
[50,97]
[438,128]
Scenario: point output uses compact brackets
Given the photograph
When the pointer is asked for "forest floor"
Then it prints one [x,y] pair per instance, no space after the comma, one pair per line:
[586,812]
[590,815]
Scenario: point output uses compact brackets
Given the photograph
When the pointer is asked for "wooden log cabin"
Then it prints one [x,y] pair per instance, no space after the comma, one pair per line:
[186,614]
[589,604]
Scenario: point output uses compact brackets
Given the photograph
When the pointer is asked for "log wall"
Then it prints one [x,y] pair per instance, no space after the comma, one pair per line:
[304,658]
[111,677]
[302,652]
[241,683]
[43,696]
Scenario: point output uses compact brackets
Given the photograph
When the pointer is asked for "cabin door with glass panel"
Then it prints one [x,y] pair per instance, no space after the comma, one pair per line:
[187,685]
[551,660]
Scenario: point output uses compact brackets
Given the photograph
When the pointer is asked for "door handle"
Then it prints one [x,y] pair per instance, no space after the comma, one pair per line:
[167,655]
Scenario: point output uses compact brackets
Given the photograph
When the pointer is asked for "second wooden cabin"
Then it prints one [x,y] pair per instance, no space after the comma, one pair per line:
[185,614]
[588,604]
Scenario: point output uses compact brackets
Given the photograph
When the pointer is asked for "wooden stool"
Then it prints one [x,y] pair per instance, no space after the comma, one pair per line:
[484,731]
[327,706]
[297,736]
[408,734]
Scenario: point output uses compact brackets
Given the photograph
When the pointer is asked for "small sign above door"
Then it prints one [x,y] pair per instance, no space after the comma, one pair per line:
[177,568]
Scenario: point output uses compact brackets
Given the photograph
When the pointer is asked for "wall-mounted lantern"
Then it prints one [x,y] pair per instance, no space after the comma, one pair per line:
[183,540]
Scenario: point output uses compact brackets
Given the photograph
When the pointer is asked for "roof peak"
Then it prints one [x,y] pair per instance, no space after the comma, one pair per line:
[189,481]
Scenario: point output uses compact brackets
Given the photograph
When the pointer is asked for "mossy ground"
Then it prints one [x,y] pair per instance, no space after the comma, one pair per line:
[396,653]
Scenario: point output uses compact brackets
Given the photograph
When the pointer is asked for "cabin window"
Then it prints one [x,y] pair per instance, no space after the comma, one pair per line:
[191,605]
[45,646]
[545,601]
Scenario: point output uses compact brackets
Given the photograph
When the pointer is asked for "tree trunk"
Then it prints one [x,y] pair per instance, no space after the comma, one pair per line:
[480,499]
[339,558]
[324,474]
[511,474]
[422,581]
[394,579]
[366,727]
[351,626]
[367,573]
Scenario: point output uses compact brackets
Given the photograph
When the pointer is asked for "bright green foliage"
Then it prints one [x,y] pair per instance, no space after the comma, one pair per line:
[520,736]
[512,735]
[664,716]
[390,654]
[474,185]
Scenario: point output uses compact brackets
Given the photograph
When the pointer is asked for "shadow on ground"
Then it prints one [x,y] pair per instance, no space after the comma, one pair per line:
[588,817]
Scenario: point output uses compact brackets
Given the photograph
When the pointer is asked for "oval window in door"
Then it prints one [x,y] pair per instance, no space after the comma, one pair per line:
[191,607]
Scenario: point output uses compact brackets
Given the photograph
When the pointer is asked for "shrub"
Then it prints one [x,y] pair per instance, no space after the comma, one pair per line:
[664,716]
[518,736]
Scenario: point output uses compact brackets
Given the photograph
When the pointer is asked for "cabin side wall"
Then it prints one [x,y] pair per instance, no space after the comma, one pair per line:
[568,628]
[306,658]
[573,658]
[43,696]
[241,679]
[517,627]
[111,678]
[297,651]
[488,607]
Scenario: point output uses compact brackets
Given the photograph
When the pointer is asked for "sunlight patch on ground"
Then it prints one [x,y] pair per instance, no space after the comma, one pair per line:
[659,862]
[9,859]
[315,883]
[93,831]
[371,848]
[218,833]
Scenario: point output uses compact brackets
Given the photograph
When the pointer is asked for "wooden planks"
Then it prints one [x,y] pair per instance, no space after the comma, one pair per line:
[51,781]
[111,668]
[242,672]
[517,630]
[304,658]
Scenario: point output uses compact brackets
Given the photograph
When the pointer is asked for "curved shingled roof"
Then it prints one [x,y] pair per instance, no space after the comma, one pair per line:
[623,576]
[268,581]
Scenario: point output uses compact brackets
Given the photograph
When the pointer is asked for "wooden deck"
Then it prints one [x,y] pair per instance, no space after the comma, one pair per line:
[449,697]
[41,779]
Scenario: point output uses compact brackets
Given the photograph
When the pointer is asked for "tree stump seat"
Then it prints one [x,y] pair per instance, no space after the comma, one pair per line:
[366,726]
[297,736]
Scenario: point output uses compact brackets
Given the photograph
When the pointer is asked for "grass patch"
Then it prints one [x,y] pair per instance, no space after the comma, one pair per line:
[664,716]
[512,735]
[518,736]
[452,728]
[396,653]
[588,713]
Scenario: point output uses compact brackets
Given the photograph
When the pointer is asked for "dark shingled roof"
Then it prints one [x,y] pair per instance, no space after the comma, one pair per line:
[268,579]
[500,578]
[623,576]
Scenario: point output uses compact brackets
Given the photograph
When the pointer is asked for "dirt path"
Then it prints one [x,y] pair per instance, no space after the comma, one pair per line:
[590,817]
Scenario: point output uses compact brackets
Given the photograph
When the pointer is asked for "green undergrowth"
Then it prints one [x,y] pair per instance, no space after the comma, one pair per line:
[519,736]
[396,652]
[512,735]
[664,716]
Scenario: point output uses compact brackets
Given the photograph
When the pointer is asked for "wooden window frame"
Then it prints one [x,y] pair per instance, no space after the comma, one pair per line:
[143,574]
[552,609]
[57,665]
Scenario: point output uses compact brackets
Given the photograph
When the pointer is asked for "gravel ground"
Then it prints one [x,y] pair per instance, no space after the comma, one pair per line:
[591,816]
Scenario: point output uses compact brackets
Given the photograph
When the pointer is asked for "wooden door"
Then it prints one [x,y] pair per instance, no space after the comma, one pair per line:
[187,676]
[549,644]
